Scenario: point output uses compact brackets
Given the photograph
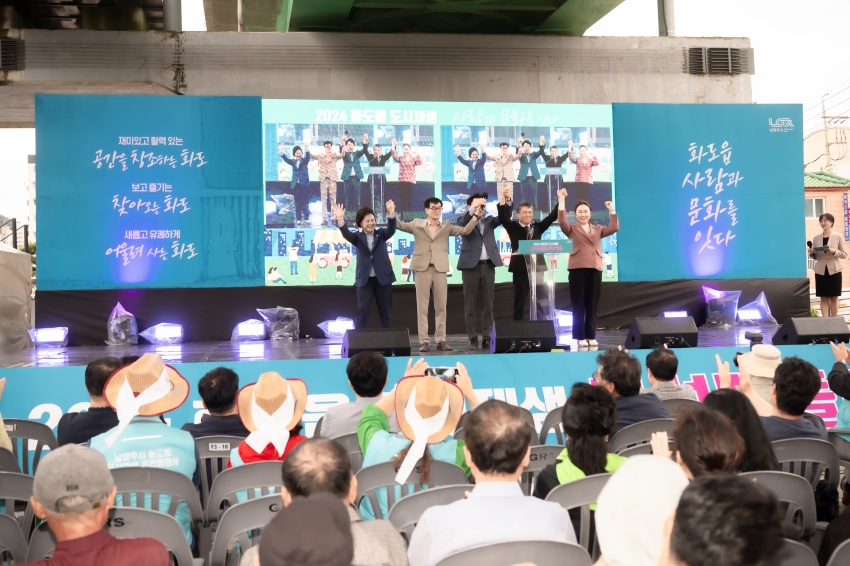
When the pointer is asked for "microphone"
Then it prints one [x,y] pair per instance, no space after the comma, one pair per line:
[809,243]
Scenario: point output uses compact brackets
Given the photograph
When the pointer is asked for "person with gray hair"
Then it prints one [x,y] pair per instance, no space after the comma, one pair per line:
[73,491]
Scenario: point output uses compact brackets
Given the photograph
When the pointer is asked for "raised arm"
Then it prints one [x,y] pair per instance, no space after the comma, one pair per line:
[614,225]
[566,227]
[464,230]
[287,159]
[391,220]
[549,220]
[395,155]
[418,160]
[339,214]
[462,160]
[404,226]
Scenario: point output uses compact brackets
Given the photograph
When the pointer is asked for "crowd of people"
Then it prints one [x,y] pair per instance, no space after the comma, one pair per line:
[684,505]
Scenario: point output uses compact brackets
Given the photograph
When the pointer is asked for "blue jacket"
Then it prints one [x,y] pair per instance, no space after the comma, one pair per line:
[299,171]
[470,245]
[352,161]
[376,258]
[528,164]
[476,171]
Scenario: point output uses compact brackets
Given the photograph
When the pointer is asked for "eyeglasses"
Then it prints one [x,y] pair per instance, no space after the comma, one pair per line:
[436,208]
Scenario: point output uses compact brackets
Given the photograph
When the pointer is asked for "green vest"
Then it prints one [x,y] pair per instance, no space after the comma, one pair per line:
[567,471]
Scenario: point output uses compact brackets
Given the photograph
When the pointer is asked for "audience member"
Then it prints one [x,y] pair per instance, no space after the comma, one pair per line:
[836,533]
[367,377]
[79,428]
[758,454]
[723,519]
[320,465]
[271,410]
[839,383]
[632,508]
[762,361]
[73,491]
[661,368]
[428,410]
[619,373]
[497,450]
[218,389]
[5,441]
[127,360]
[141,393]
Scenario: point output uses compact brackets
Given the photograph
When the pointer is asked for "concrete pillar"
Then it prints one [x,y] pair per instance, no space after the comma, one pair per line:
[666,17]
[172,15]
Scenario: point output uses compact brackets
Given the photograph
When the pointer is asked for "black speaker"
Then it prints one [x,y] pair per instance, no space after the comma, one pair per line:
[653,332]
[514,336]
[809,330]
[385,341]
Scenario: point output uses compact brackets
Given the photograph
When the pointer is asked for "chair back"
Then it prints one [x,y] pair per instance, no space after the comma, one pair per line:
[16,490]
[41,545]
[352,445]
[541,456]
[405,513]
[242,523]
[639,449]
[836,441]
[259,476]
[793,553]
[214,454]
[33,437]
[841,555]
[809,458]
[581,494]
[8,462]
[12,539]
[537,552]
[800,515]
[554,422]
[639,433]
[318,429]
[383,475]
[158,482]
[673,406]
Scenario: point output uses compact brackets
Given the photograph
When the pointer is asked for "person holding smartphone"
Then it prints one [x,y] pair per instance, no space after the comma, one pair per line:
[829,251]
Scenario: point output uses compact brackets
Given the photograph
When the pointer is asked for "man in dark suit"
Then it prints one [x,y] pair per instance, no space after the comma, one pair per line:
[300,184]
[525,228]
[374,192]
[351,171]
[479,258]
[374,275]
[528,173]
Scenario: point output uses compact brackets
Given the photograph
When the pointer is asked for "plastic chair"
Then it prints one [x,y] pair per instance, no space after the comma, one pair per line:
[16,490]
[12,539]
[241,523]
[538,552]
[214,454]
[541,456]
[835,440]
[800,520]
[793,553]
[809,458]
[639,449]
[581,494]
[405,513]
[318,428]
[841,555]
[674,406]
[554,422]
[26,431]
[352,445]
[262,476]
[639,433]
[8,462]
[383,475]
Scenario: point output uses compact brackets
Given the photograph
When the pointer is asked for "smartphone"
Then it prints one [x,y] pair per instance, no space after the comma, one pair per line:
[443,372]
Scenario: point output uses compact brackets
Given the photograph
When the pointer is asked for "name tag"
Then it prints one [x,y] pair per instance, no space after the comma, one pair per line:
[554,171]
[220,447]
[377,170]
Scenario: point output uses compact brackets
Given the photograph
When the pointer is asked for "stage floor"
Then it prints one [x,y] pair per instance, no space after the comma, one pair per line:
[315,348]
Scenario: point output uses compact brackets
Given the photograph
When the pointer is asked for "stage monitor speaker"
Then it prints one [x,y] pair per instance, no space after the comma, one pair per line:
[654,332]
[514,336]
[808,330]
[386,341]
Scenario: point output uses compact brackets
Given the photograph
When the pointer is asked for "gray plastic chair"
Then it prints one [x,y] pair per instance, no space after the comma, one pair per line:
[639,433]
[537,552]
[16,490]
[126,522]
[8,462]
[673,406]
[553,422]
[262,476]
[639,449]
[352,445]
[20,432]
[794,553]
[242,523]
[834,440]
[383,475]
[841,555]
[541,456]
[405,513]
[12,539]
[809,458]
[214,454]
[317,430]
[581,494]
[800,520]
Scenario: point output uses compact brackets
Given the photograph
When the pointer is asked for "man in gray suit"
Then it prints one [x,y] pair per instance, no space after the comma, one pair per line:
[479,258]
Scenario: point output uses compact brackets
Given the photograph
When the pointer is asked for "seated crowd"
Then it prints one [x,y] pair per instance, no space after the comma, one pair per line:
[684,505]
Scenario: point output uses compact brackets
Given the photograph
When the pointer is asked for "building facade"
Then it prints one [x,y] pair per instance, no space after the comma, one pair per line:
[826,192]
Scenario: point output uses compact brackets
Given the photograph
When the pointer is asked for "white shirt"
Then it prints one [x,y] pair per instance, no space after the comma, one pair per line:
[493,512]
[484,256]
[293,255]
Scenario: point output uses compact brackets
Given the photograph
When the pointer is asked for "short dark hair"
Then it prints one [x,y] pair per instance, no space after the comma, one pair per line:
[589,417]
[526,142]
[362,214]
[127,360]
[582,146]
[471,149]
[327,142]
[296,149]
[98,372]
[367,373]
[485,196]
[828,217]
[708,441]
[405,145]
[497,437]
[432,200]
[349,141]
[797,382]
[317,465]
[663,364]
[553,147]
[377,145]
[218,388]
[726,519]
[504,144]
[524,204]
[580,203]
[622,370]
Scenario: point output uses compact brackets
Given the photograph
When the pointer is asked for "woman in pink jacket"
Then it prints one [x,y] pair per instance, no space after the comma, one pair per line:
[585,265]
[407,163]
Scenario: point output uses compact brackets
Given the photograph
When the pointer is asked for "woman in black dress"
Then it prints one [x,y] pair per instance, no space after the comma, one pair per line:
[828,265]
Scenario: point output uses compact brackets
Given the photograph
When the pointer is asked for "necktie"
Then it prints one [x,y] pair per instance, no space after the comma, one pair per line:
[529,231]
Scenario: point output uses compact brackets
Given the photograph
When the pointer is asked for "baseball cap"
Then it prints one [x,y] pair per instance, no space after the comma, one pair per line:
[72,471]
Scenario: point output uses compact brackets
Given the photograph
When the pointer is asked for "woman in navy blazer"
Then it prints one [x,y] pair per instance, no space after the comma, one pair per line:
[585,266]
[374,274]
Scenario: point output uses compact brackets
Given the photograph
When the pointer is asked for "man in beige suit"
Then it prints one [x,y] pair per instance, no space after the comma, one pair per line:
[430,261]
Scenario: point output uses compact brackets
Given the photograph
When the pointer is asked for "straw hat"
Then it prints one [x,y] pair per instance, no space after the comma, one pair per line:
[763,360]
[431,393]
[142,374]
[270,393]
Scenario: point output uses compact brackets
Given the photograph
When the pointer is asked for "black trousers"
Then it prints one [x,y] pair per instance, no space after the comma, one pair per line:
[585,285]
[302,199]
[522,288]
[383,295]
[404,189]
[478,287]
[528,191]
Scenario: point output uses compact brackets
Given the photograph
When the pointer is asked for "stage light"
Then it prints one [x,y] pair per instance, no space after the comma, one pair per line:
[563,321]
[163,334]
[721,307]
[756,313]
[281,323]
[675,314]
[336,328]
[748,314]
[49,337]
[249,331]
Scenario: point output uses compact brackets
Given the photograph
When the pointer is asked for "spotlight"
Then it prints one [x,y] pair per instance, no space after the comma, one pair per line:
[675,314]
[563,320]
[336,328]
[748,314]
[49,337]
[756,313]
[249,331]
[163,334]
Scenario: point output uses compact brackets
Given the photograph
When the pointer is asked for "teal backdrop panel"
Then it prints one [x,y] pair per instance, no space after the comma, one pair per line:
[149,191]
[709,191]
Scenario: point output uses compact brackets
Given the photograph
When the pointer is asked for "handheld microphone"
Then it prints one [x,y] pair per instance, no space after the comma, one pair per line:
[809,243]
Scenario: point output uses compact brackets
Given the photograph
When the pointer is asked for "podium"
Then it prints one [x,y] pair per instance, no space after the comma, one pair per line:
[377,191]
[541,280]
